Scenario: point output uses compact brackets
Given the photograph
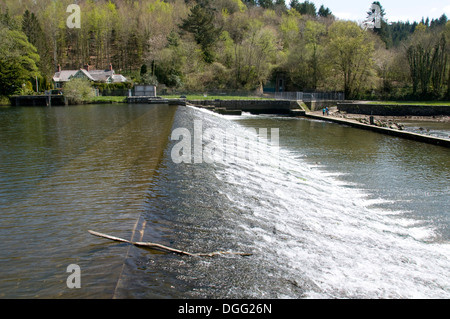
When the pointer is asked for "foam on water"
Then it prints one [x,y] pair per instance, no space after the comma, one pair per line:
[328,232]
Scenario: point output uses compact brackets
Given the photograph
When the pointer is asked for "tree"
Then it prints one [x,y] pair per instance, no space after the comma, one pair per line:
[31,27]
[427,61]
[249,3]
[447,38]
[280,5]
[313,33]
[200,22]
[260,55]
[350,54]
[306,7]
[382,30]
[324,12]
[18,59]
[266,4]
[193,45]
[305,63]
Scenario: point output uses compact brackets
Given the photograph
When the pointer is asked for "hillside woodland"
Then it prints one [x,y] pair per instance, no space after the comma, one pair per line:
[229,45]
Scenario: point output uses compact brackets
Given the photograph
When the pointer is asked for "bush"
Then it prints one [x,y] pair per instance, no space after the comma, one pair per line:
[78,91]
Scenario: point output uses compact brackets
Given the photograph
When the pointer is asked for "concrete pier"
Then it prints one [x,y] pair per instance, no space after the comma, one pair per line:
[146,100]
[384,130]
[394,109]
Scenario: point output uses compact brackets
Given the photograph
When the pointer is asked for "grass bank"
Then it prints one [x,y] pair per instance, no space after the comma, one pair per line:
[108,99]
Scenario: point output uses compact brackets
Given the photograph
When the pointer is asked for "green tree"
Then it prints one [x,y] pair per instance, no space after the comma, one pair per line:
[266,4]
[280,5]
[305,64]
[350,53]
[260,56]
[447,38]
[427,60]
[313,33]
[18,59]
[324,12]
[31,27]
[200,22]
[384,31]
[305,7]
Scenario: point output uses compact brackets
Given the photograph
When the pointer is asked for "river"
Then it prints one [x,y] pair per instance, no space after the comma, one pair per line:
[334,212]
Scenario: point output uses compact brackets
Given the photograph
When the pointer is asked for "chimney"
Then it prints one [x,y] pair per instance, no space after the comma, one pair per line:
[110,67]
[59,67]
[86,67]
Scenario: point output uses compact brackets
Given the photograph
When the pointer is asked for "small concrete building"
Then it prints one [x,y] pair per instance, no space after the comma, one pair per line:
[145,90]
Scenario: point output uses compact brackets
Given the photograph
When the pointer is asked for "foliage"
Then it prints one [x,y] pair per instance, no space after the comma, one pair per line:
[18,58]
[350,52]
[304,7]
[200,22]
[324,12]
[225,44]
[78,91]
[427,61]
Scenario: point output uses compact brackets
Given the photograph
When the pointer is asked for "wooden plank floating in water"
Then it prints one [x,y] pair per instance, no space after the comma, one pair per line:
[165,248]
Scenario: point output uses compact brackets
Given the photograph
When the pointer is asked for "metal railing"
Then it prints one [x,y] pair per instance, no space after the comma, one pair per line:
[308,97]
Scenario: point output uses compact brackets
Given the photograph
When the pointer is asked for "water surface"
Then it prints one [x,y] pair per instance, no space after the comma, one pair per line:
[344,213]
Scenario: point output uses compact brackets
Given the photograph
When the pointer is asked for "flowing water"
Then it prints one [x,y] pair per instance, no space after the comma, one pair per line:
[436,129]
[335,212]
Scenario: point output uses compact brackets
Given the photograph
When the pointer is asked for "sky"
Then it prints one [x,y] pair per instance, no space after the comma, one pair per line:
[396,10]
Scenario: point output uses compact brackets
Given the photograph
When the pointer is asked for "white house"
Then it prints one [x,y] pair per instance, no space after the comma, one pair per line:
[105,76]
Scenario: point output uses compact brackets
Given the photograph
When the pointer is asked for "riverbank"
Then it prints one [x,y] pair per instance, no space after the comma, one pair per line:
[385,119]
[391,125]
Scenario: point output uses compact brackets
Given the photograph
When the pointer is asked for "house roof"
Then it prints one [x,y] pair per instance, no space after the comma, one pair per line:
[117,78]
[86,73]
[101,75]
[64,76]
[93,75]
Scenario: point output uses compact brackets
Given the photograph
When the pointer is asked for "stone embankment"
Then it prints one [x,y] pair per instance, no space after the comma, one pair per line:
[385,125]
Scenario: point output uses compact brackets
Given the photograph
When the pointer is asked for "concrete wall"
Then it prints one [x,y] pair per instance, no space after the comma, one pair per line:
[394,110]
[252,106]
[385,130]
[318,105]
[145,90]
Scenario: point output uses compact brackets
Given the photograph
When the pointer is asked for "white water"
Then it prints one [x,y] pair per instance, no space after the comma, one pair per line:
[317,229]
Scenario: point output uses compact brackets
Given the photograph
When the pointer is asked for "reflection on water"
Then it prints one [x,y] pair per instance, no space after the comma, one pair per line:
[64,171]
[347,213]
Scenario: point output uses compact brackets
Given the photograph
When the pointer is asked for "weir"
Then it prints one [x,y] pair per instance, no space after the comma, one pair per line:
[236,107]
